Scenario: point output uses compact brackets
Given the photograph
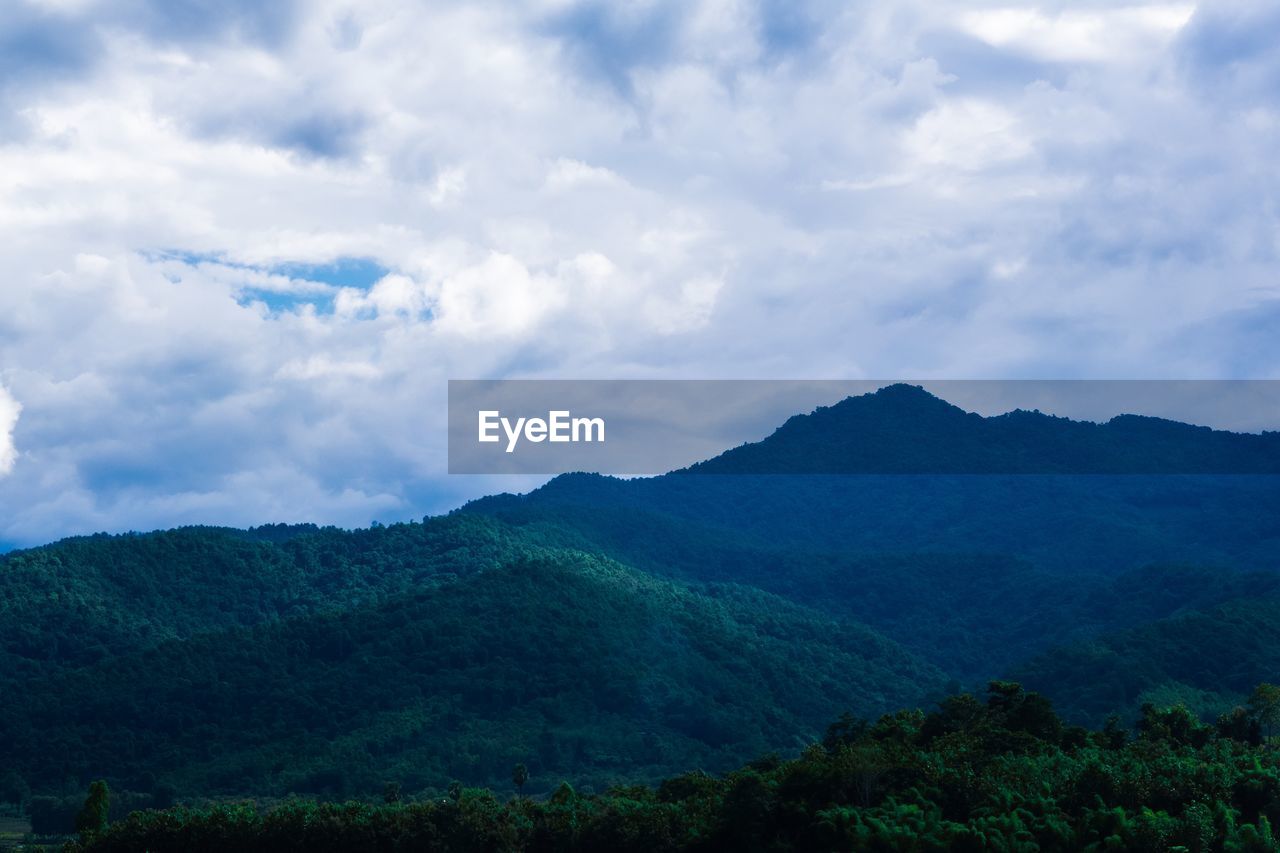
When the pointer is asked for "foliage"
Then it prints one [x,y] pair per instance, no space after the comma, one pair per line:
[999,774]
[566,662]
[1220,652]
[92,818]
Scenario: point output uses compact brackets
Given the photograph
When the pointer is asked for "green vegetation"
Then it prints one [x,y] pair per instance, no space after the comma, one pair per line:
[1207,659]
[1001,774]
[570,662]
[93,817]
[88,599]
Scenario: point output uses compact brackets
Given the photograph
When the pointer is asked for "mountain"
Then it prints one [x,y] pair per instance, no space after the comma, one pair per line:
[975,573]
[607,630]
[569,662]
[903,429]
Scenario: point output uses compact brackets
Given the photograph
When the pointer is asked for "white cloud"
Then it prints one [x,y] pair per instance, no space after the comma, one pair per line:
[1107,34]
[567,174]
[319,366]
[449,185]
[9,411]
[390,296]
[967,134]
[688,310]
[497,298]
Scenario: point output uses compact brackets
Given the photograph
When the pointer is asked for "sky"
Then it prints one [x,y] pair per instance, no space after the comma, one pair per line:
[246,244]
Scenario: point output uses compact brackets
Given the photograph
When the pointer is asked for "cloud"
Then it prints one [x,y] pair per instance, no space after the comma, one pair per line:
[186,20]
[247,244]
[969,135]
[497,297]
[568,174]
[40,43]
[1114,34]
[1228,49]
[9,411]
[690,308]
[40,49]
[608,42]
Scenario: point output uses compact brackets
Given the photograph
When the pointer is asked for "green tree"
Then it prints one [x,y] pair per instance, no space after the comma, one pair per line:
[1265,704]
[92,819]
[863,764]
[519,775]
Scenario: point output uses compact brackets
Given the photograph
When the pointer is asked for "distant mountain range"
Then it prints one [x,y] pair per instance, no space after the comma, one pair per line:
[605,630]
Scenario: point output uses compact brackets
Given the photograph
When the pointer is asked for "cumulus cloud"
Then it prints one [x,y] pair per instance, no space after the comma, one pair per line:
[247,244]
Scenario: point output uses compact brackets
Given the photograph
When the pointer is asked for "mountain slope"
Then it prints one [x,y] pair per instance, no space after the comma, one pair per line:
[972,614]
[1076,524]
[1207,659]
[577,666]
[86,599]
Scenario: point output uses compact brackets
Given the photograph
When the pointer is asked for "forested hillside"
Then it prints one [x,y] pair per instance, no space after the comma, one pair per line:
[571,663]
[611,631]
[87,599]
[1080,524]
[1203,659]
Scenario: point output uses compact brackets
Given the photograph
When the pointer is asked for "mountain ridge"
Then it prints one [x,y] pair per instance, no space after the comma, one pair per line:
[903,429]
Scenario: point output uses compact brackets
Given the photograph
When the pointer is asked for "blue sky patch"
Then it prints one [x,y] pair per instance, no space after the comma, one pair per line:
[344,272]
[291,293]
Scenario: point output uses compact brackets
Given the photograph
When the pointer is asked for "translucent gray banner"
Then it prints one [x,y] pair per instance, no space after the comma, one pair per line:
[646,427]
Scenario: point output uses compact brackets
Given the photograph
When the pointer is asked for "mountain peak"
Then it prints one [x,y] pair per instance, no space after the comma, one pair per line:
[904,429]
[902,398]
[902,391]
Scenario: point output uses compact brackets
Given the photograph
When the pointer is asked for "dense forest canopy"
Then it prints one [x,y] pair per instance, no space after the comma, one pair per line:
[999,772]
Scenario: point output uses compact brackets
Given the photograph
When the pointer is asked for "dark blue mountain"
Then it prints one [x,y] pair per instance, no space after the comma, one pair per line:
[903,429]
